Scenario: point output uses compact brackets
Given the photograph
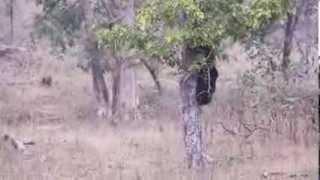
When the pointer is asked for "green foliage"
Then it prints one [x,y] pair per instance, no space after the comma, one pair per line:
[263,12]
[163,25]
[123,38]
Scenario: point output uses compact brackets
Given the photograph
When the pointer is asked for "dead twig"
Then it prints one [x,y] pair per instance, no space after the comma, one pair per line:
[17,144]
[246,126]
[251,130]
[227,130]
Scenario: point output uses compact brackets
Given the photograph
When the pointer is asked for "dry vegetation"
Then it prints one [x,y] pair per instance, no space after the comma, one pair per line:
[72,143]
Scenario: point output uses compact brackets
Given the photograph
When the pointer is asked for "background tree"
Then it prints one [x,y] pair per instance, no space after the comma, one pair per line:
[10,12]
[69,24]
[293,14]
[174,30]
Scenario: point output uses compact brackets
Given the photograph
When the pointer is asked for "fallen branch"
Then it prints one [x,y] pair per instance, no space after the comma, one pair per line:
[16,144]
[17,83]
[4,50]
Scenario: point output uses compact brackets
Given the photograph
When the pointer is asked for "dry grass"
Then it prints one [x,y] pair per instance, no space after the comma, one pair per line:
[72,143]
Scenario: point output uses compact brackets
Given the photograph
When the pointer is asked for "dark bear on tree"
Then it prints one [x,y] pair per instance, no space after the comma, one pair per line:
[206,84]
[206,77]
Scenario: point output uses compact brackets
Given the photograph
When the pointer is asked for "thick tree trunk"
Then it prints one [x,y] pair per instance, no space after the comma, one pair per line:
[125,96]
[129,97]
[191,120]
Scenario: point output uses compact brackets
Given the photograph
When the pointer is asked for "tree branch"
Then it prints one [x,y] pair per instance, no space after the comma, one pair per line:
[153,74]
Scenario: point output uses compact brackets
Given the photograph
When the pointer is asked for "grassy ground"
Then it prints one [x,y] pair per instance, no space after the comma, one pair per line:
[72,143]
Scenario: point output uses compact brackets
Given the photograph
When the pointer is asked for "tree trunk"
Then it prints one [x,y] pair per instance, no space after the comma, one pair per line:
[120,80]
[289,32]
[11,14]
[129,96]
[292,20]
[153,74]
[125,96]
[99,84]
[116,78]
[98,81]
[191,120]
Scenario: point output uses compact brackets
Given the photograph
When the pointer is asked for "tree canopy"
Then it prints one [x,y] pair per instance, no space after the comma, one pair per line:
[163,25]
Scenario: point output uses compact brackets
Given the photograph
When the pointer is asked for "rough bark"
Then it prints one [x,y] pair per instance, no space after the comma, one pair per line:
[191,112]
[191,120]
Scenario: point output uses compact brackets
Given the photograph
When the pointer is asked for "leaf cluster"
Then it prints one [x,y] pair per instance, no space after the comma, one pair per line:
[163,25]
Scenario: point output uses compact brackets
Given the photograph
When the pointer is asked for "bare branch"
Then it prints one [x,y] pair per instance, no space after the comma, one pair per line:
[153,74]
[227,130]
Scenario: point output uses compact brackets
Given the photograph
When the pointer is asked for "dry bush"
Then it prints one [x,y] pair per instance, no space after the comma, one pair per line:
[257,109]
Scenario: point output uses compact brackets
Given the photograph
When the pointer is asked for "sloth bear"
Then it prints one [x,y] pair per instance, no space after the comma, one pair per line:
[206,77]
[206,85]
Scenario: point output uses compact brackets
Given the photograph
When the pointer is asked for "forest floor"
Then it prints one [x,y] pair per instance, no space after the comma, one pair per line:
[72,143]
[87,152]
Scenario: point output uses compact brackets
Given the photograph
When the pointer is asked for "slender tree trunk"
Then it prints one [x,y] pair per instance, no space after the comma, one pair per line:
[292,20]
[99,84]
[191,120]
[116,78]
[11,14]
[287,47]
[153,75]
[96,56]
[98,81]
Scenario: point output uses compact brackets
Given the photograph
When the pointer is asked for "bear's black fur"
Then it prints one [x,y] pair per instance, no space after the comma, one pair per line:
[206,84]
[206,76]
